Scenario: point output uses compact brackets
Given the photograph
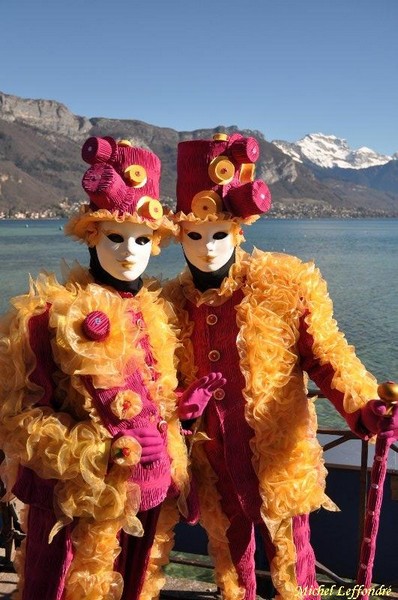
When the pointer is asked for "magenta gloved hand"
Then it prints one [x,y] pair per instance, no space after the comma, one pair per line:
[374,418]
[151,442]
[194,400]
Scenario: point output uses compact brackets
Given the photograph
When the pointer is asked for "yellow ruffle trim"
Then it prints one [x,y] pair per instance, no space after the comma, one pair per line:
[287,457]
[211,218]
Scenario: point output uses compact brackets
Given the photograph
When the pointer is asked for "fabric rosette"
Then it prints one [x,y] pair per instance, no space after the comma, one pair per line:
[126,405]
[94,334]
[126,451]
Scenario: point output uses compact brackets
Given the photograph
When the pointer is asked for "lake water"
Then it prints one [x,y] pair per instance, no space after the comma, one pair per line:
[358,258]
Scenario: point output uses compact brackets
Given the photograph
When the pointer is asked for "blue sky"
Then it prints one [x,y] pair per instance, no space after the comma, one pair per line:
[283,67]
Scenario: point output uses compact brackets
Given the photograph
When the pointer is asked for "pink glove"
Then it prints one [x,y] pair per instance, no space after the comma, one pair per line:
[194,400]
[151,442]
[372,417]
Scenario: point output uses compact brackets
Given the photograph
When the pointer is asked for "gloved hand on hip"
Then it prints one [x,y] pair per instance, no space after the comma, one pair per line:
[150,440]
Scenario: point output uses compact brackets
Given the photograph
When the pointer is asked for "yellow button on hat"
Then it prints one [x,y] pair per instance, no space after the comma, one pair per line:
[221,170]
[206,203]
[149,208]
[220,137]
[135,175]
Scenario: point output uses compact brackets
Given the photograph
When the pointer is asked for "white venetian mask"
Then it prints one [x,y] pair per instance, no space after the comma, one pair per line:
[208,246]
[124,249]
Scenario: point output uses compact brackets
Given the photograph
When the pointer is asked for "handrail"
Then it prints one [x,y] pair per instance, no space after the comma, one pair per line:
[12,534]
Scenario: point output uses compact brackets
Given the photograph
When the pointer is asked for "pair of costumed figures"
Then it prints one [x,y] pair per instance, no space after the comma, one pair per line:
[104,377]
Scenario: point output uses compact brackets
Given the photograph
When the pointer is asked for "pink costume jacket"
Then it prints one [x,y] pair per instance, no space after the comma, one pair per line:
[268,325]
[82,368]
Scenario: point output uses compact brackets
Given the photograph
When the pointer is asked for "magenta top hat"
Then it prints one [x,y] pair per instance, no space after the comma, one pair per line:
[122,183]
[215,179]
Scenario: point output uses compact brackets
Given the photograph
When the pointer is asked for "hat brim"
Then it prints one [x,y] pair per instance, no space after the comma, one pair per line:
[211,218]
[79,225]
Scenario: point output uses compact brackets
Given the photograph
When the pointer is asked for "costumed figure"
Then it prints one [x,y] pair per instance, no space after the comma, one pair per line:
[88,416]
[265,321]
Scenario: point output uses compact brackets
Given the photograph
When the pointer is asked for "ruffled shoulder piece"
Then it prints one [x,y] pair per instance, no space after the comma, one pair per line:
[301,284]
[95,334]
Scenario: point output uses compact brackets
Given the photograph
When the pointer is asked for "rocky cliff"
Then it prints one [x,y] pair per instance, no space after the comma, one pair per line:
[41,167]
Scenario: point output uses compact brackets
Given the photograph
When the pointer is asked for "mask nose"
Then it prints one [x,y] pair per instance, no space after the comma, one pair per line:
[131,247]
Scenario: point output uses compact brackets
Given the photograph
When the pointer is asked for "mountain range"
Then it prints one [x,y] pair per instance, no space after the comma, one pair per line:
[41,167]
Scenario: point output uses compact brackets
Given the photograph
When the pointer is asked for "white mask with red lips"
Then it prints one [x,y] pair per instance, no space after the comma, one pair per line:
[208,246]
[124,249]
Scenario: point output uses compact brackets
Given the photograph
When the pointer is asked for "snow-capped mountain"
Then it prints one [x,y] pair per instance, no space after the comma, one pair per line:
[329,151]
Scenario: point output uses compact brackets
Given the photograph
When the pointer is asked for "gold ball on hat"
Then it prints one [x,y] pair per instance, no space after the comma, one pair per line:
[124,143]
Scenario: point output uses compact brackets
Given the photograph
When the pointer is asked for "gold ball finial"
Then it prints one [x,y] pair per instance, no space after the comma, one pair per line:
[388,391]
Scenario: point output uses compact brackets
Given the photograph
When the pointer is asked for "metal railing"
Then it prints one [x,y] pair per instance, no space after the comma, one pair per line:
[11,534]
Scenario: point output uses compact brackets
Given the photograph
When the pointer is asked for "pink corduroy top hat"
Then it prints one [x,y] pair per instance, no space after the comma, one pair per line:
[122,184]
[215,180]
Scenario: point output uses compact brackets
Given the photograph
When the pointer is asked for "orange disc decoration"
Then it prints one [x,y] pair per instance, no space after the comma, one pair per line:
[135,175]
[246,174]
[221,170]
[206,203]
[149,208]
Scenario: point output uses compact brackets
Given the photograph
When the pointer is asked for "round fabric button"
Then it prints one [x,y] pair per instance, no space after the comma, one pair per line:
[162,426]
[96,326]
[214,355]
[219,394]
[211,319]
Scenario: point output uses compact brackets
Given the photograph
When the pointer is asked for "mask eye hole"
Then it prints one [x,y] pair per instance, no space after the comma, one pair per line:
[194,235]
[142,240]
[115,237]
[220,235]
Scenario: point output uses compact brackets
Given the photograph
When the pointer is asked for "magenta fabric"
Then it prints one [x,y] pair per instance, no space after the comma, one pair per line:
[104,181]
[46,564]
[133,559]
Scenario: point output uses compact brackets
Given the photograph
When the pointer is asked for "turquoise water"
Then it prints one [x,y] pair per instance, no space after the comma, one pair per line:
[358,258]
